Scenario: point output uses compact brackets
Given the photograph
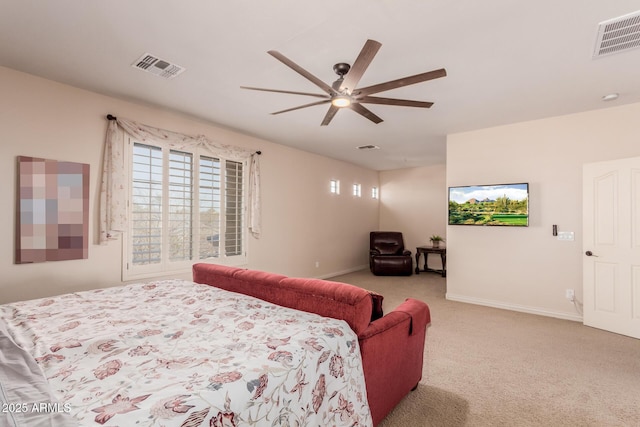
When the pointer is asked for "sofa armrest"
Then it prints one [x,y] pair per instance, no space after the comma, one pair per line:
[392,349]
[414,311]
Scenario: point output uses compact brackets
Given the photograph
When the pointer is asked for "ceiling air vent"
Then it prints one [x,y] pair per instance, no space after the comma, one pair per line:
[368,147]
[154,65]
[618,34]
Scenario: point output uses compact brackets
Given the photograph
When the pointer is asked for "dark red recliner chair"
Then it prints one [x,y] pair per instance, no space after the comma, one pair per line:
[387,255]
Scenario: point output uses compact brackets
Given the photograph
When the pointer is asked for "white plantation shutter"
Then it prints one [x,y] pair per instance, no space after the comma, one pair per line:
[234,208]
[210,204]
[180,202]
[146,205]
[180,221]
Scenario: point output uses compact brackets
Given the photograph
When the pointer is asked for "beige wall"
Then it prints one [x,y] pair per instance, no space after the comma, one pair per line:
[302,222]
[528,269]
[414,201]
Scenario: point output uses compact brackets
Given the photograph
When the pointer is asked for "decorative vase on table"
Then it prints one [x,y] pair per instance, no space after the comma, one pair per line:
[435,240]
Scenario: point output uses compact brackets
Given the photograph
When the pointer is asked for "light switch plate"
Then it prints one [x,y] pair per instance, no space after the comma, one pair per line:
[566,235]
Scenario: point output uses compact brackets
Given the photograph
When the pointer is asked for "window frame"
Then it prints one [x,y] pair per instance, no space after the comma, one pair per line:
[357,190]
[334,186]
[166,267]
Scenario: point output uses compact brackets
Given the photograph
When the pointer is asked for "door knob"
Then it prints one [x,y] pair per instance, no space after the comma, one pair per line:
[589,253]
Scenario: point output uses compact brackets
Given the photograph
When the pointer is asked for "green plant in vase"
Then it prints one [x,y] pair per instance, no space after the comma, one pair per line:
[435,240]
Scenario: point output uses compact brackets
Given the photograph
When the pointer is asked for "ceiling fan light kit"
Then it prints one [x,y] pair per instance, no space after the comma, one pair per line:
[341,101]
[344,93]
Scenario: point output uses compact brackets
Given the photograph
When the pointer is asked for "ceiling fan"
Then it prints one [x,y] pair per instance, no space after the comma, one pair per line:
[344,93]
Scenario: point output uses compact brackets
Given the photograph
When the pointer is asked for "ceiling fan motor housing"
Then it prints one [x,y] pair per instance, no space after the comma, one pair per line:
[341,68]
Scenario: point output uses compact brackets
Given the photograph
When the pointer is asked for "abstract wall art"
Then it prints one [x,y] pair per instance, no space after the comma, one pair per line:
[52,218]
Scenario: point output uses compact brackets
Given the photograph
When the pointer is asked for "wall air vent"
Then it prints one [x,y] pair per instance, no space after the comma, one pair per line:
[368,147]
[159,67]
[618,34]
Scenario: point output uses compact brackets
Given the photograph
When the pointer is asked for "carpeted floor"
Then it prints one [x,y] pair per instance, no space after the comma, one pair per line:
[492,367]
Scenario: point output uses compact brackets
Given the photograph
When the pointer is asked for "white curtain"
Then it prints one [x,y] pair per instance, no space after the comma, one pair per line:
[113,194]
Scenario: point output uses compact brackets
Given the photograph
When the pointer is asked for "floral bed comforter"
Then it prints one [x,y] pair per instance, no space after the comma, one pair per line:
[177,353]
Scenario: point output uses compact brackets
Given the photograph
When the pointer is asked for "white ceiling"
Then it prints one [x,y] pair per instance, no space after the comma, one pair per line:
[507,61]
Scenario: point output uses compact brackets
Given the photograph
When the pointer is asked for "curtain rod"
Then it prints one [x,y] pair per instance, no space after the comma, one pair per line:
[112,117]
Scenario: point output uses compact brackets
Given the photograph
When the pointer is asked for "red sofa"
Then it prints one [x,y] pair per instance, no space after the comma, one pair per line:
[392,346]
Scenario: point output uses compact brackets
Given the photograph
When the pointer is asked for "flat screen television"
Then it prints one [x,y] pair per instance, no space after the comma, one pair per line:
[490,205]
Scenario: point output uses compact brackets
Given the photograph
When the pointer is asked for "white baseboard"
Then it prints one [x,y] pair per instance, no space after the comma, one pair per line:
[340,273]
[514,307]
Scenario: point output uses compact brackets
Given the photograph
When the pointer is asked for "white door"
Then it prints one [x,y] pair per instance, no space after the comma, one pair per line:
[611,246]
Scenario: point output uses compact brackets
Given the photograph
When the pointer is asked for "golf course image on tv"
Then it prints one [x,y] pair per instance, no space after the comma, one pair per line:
[503,204]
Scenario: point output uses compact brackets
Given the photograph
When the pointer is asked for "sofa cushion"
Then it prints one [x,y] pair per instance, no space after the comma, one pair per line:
[330,299]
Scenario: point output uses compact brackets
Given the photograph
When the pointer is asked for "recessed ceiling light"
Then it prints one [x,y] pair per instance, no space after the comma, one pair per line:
[610,97]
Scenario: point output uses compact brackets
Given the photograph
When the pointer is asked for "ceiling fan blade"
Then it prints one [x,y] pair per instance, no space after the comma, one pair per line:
[406,81]
[304,73]
[317,95]
[302,106]
[393,101]
[360,109]
[329,116]
[358,68]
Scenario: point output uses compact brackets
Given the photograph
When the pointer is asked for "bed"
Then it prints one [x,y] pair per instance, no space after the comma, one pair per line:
[176,353]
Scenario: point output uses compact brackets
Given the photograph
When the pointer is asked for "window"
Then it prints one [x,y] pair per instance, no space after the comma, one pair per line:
[374,192]
[334,186]
[184,206]
[357,190]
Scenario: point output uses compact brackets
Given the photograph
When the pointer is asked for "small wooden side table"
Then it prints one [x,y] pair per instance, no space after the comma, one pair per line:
[426,250]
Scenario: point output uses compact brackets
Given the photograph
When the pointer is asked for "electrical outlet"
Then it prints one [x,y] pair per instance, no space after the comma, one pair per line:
[570,294]
[317,264]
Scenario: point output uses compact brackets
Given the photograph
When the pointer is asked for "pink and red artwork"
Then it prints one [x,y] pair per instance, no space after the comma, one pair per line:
[52,218]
